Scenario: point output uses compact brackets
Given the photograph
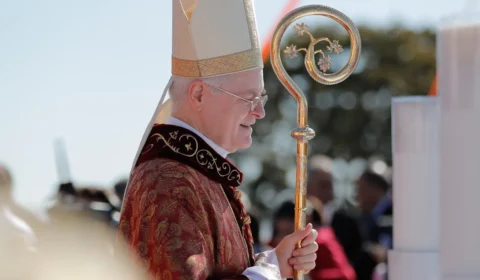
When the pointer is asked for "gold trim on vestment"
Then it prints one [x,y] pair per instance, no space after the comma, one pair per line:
[187,145]
[221,65]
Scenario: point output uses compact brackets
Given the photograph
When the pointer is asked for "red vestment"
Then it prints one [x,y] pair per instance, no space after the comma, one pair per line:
[182,215]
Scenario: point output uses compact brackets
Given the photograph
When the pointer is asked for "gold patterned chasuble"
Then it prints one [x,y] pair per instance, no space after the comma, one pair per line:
[182,215]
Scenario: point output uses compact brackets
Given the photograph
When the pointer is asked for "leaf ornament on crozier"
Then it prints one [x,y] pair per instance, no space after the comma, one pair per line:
[324,61]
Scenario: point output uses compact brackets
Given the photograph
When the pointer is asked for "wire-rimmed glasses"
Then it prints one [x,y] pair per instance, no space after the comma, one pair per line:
[262,99]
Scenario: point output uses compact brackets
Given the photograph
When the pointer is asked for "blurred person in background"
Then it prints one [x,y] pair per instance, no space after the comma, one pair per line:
[345,224]
[375,203]
[320,184]
[332,262]
[283,222]
[364,232]
[258,246]
[376,223]
[120,188]
[340,215]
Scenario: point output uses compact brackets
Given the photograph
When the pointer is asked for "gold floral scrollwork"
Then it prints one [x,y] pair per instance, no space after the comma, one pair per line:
[205,157]
[324,61]
[187,145]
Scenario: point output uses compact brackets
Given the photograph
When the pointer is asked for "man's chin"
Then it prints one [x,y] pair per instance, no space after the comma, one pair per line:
[243,145]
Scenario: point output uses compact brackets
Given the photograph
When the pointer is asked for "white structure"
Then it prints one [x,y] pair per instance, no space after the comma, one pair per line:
[415,135]
[458,64]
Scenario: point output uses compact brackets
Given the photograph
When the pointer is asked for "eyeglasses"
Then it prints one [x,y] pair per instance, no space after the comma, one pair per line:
[253,103]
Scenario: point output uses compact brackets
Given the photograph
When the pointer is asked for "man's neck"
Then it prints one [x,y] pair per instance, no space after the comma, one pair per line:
[181,123]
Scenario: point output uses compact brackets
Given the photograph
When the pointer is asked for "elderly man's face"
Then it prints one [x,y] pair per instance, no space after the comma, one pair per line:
[230,119]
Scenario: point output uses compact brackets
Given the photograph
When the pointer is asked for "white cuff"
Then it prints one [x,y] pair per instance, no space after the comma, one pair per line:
[266,267]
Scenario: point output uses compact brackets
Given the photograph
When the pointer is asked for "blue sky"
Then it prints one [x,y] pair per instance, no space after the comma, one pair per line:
[92,72]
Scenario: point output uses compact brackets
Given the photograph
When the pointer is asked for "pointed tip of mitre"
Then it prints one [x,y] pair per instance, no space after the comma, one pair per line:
[214,37]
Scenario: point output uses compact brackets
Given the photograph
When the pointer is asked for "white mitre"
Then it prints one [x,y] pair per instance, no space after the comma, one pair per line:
[210,38]
[213,38]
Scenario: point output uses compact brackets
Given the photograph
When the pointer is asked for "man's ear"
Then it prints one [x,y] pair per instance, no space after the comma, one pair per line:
[196,95]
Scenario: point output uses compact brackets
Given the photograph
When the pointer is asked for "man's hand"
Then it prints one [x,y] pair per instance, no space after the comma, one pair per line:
[290,258]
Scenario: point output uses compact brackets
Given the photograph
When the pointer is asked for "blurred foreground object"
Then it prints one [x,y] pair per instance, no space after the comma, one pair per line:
[5,177]
[458,63]
[74,245]
[79,246]
[16,238]
[303,133]
[14,216]
[104,203]
[415,188]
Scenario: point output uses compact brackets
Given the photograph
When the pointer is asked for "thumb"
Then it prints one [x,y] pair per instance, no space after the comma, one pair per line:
[299,235]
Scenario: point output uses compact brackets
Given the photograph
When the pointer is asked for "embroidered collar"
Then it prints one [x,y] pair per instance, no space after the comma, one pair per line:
[183,145]
[177,122]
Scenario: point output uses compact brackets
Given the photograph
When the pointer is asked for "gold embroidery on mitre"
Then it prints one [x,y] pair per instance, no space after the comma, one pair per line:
[252,27]
[226,64]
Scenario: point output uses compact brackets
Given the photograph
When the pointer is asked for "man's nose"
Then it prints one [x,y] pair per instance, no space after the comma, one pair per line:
[259,111]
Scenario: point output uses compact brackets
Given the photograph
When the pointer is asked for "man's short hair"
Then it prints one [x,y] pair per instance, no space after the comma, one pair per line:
[320,163]
[375,180]
[286,210]
[180,85]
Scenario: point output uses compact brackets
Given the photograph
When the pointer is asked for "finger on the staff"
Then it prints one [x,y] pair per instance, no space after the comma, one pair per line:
[303,259]
[311,248]
[306,267]
[308,240]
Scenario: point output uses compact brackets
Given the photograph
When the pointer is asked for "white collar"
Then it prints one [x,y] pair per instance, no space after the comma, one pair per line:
[174,121]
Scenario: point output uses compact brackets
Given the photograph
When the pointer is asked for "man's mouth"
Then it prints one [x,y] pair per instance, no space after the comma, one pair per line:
[246,125]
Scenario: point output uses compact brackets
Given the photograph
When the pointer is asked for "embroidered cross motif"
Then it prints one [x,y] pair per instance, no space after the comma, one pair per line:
[173,135]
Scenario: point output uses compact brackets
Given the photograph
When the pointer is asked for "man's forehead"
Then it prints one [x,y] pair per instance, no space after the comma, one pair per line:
[254,75]
[251,82]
